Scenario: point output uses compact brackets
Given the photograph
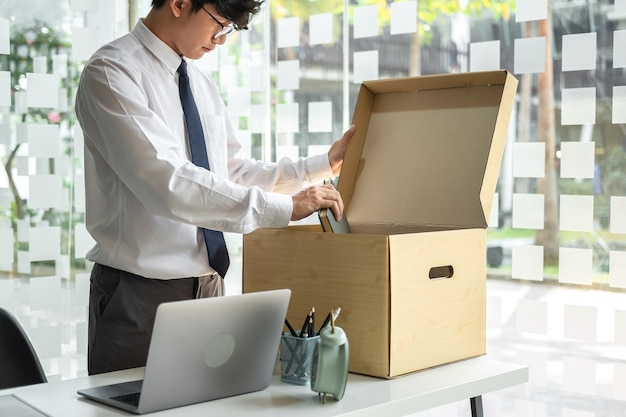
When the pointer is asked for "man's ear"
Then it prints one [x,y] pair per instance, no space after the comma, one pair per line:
[178,6]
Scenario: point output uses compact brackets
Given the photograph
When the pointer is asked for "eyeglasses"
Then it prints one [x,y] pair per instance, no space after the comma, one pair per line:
[225,30]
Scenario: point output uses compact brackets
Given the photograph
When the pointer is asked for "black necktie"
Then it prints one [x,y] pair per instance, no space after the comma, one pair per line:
[215,244]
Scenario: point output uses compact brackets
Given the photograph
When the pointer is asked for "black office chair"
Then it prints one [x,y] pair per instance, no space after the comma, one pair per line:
[19,363]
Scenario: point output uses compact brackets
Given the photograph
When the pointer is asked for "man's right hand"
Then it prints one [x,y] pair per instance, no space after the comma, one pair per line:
[314,198]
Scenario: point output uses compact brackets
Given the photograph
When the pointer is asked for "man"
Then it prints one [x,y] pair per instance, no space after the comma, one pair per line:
[151,207]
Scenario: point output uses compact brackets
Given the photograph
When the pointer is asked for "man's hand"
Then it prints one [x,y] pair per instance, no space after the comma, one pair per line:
[314,198]
[338,150]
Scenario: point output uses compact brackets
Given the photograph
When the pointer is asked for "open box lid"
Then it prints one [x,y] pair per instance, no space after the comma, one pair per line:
[427,151]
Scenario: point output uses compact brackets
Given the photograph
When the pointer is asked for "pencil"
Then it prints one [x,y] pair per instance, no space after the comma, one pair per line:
[305,325]
[291,330]
[324,324]
[335,313]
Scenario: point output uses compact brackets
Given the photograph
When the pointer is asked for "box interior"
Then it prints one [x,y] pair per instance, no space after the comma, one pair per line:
[419,159]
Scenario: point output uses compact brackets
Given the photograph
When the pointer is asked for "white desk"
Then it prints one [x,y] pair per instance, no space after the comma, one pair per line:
[365,396]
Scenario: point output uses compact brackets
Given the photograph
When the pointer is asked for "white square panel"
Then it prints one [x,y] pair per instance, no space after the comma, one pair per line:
[365,21]
[529,159]
[79,193]
[581,322]
[47,341]
[5,37]
[579,106]
[532,316]
[21,102]
[45,191]
[43,90]
[579,52]
[576,213]
[579,375]
[257,119]
[287,118]
[43,140]
[618,214]
[79,142]
[321,28]
[23,230]
[81,289]
[530,55]
[5,89]
[288,32]
[239,99]
[485,56]
[288,75]
[575,266]
[85,41]
[257,77]
[619,105]
[527,10]
[40,64]
[619,48]
[229,77]
[365,66]
[7,294]
[403,17]
[21,132]
[7,245]
[44,243]
[320,116]
[23,262]
[81,338]
[617,269]
[528,211]
[59,65]
[63,100]
[24,166]
[45,293]
[42,167]
[527,262]
[577,159]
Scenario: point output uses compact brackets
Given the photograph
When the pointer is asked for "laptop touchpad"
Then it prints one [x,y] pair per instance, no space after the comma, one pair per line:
[219,350]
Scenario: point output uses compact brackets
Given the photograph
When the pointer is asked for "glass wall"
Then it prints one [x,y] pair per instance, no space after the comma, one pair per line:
[557,233]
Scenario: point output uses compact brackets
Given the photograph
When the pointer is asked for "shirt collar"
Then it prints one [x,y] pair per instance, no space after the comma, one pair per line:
[161,51]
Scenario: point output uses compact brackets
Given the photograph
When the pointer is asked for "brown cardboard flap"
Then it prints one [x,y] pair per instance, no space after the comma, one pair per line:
[427,152]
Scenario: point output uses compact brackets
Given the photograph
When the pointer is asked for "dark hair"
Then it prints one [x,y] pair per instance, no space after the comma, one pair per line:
[237,11]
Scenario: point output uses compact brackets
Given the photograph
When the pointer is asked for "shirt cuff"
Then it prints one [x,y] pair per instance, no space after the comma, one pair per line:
[282,207]
[319,168]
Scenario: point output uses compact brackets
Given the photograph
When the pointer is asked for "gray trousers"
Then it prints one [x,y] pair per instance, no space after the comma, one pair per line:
[122,307]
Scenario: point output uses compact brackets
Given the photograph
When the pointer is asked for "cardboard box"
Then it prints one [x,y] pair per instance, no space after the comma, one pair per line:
[418,182]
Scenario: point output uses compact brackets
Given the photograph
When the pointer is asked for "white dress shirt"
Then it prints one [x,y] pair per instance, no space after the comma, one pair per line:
[145,198]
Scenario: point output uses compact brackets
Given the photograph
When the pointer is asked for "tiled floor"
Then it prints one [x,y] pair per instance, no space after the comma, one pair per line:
[573,340]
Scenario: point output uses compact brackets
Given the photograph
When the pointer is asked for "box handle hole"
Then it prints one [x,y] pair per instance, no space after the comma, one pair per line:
[438,272]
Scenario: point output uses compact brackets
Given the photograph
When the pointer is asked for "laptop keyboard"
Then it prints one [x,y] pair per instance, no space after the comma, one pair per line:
[130,399]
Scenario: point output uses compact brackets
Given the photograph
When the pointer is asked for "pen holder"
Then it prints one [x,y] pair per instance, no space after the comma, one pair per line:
[296,358]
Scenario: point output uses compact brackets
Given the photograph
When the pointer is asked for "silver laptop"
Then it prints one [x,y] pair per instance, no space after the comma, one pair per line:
[205,349]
